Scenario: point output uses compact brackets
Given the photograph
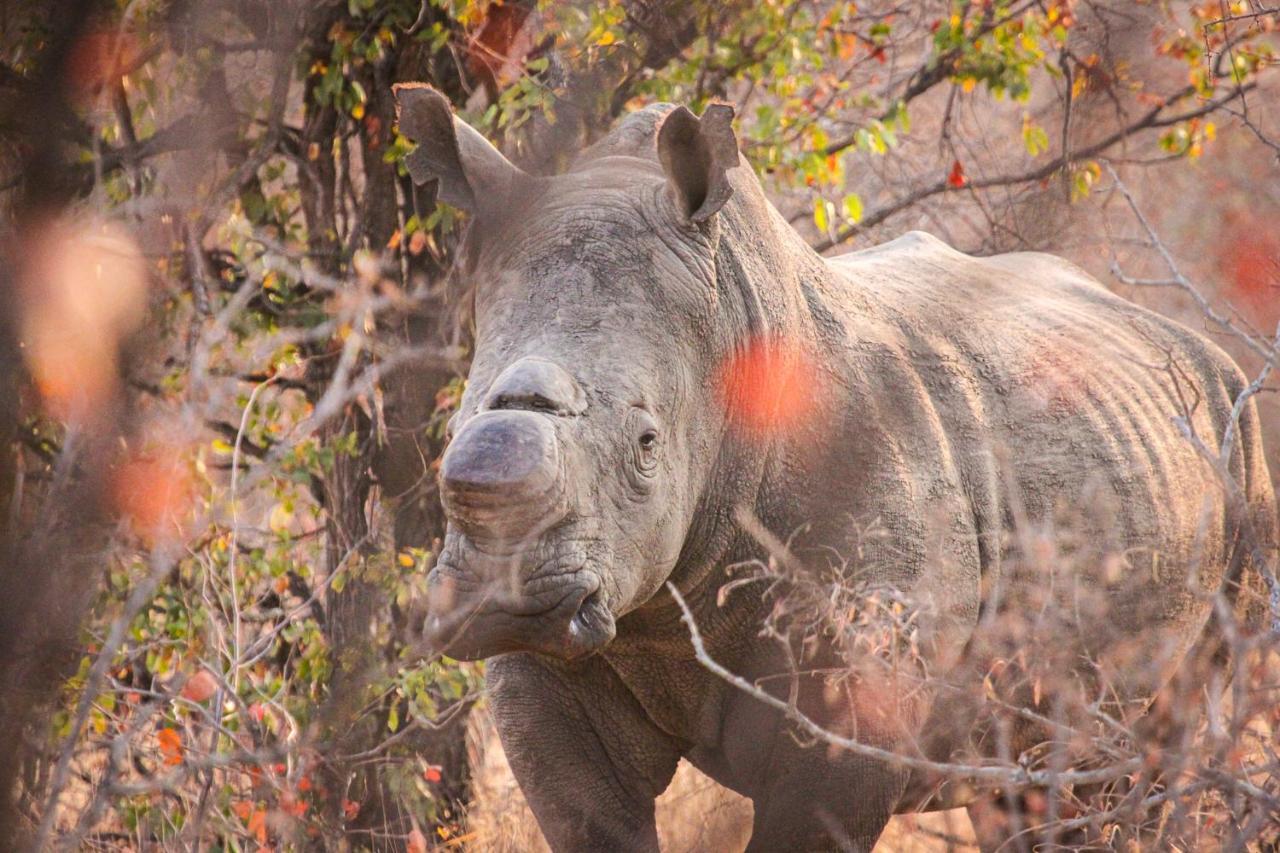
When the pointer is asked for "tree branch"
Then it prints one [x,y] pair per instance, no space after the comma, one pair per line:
[1152,119]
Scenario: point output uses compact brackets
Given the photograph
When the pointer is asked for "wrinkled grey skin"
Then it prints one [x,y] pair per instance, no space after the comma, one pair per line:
[595,457]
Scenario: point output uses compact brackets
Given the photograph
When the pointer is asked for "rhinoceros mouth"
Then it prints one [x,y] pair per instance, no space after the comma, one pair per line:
[560,612]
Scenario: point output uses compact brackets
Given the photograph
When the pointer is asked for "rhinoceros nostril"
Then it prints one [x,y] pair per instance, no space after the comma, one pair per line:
[584,620]
[535,384]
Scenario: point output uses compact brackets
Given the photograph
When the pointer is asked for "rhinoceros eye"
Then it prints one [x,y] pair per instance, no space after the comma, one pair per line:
[644,449]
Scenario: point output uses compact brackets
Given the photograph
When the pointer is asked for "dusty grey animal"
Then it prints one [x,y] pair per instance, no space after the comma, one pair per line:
[598,454]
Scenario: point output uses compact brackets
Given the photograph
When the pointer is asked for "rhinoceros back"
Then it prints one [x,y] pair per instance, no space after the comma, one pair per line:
[1055,403]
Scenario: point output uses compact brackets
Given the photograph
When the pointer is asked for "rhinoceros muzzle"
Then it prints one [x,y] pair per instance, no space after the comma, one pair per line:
[510,578]
[564,617]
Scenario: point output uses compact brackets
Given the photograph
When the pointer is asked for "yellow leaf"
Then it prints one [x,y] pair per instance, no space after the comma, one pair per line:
[820,218]
[406,559]
[280,518]
[607,38]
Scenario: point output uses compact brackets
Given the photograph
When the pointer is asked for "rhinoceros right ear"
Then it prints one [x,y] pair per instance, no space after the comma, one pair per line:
[471,171]
[695,153]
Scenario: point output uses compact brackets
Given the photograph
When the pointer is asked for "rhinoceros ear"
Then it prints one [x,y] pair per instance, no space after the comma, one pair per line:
[695,153]
[471,172]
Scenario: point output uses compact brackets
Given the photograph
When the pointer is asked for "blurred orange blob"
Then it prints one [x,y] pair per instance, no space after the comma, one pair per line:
[770,386]
[1251,262]
[1057,376]
[98,59]
[153,492]
[200,687]
[83,290]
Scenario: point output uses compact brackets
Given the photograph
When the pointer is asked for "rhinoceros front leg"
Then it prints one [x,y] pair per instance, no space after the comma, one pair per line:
[816,805]
[588,760]
[807,797]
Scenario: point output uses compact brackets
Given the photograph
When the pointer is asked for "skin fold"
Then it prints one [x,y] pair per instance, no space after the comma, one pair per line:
[603,447]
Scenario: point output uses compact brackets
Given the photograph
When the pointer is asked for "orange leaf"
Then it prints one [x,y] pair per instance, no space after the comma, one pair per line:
[291,805]
[99,58]
[170,746]
[258,825]
[956,178]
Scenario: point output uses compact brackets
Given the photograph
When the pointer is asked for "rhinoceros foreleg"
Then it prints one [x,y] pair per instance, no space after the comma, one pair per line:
[588,760]
[810,805]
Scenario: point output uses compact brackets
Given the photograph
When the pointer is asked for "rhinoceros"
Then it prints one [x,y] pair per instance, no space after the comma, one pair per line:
[599,454]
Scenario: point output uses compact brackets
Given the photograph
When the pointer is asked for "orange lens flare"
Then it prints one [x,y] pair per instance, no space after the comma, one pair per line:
[83,290]
[771,386]
[154,492]
[1252,265]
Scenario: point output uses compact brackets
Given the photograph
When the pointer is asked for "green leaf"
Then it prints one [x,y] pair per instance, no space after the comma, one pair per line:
[1034,137]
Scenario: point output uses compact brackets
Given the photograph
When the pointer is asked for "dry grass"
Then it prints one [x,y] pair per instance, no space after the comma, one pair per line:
[695,813]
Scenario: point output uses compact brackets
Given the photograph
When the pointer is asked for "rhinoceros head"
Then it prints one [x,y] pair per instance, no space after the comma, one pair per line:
[586,435]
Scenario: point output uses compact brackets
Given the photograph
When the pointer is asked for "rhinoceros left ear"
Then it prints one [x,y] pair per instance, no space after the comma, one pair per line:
[695,153]
[472,173]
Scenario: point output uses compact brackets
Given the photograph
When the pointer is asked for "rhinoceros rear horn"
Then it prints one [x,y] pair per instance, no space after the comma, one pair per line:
[471,172]
[695,153]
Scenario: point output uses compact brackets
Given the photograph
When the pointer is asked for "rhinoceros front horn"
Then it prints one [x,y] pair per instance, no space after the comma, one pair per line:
[470,171]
